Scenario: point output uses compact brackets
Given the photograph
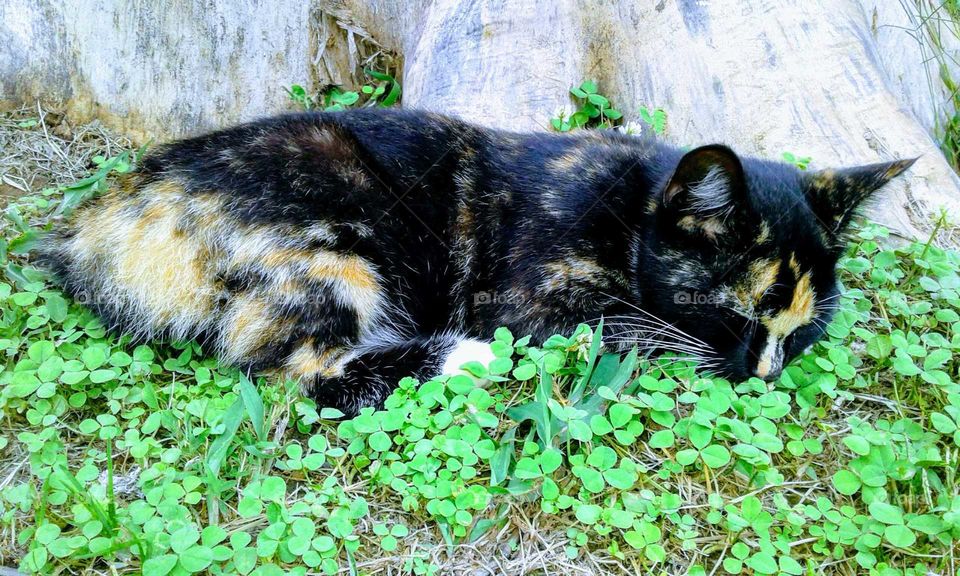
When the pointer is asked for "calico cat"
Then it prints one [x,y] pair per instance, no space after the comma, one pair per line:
[351,249]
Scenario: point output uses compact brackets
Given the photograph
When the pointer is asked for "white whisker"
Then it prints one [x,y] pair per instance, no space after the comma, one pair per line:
[652,316]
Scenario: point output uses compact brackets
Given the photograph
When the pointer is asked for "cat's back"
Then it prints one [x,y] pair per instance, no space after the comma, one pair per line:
[228,232]
[307,153]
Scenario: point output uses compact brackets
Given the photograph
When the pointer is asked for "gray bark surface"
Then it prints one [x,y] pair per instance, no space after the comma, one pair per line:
[841,81]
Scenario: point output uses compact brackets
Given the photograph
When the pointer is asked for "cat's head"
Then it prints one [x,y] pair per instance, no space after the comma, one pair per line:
[741,256]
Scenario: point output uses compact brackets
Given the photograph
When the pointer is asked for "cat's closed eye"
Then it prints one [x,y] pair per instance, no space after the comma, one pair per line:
[770,237]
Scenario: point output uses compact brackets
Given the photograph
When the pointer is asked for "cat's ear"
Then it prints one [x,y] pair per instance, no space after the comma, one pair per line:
[835,195]
[707,186]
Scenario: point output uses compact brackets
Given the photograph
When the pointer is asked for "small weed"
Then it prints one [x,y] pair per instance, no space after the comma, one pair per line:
[656,119]
[933,19]
[593,110]
[385,92]
[801,162]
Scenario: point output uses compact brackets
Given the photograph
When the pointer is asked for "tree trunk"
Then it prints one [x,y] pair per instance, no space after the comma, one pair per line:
[841,81]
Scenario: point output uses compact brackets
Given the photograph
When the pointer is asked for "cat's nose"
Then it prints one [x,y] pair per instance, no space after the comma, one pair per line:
[768,371]
[770,361]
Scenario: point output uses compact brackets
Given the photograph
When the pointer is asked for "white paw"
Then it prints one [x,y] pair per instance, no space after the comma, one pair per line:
[467,351]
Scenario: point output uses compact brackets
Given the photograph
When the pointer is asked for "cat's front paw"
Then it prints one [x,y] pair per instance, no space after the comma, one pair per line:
[467,351]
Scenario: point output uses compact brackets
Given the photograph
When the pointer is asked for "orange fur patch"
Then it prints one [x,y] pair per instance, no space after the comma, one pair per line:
[761,276]
[153,260]
[709,227]
[561,273]
[248,324]
[799,313]
[353,270]
[307,361]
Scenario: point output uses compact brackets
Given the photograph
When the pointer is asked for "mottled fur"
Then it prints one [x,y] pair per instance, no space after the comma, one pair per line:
[353,248]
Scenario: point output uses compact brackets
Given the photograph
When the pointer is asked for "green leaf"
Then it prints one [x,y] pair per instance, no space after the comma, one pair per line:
[661,439]
[602,458]
[620,478]
[24,243]
[686,457]
[886,513]
[763,563]
[501,365]
[527,469]
[790,566]
[588,513]
[380,441]
[580,430]
[245,560]
[715,456]
[905,366]
[101,376]
[600,425]
[500,461]
[732,565]
[22,384]
[943,423]
[212,535]
[159,565]
[936,359]
[550,460]
[576,395]
[613,113]
[24,299]
[254,405]
[857,444]
[221,446]
[184,538]
[699,435]
[927,523]
[846,482]
[196,558]
[46,534]
[56,307]
[273,488]
[899,535]
[389,543]
[525,372]
[620,414]
[592,480]
[598,100]
[635,539]
[873,475]
[540,414]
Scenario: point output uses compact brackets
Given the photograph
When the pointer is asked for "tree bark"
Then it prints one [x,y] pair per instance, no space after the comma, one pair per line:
[841,81]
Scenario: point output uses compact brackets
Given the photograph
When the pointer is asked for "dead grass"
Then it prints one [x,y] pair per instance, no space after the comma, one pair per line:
[39,149]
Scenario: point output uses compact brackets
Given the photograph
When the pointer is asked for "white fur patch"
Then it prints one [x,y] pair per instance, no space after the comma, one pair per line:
[712,194]
[467,351]
[771,359]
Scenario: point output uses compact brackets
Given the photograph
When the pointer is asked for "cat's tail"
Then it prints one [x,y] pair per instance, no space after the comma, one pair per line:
[156,260]
[139,257]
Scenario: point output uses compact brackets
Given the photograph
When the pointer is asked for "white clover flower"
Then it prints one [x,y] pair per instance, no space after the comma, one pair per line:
[631,127]
[583,344]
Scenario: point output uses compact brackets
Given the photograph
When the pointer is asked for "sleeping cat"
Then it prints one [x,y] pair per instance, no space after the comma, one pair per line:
[351,249]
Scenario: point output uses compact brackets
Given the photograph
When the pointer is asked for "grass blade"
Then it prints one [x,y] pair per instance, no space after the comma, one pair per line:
[254,405]
[220,447]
